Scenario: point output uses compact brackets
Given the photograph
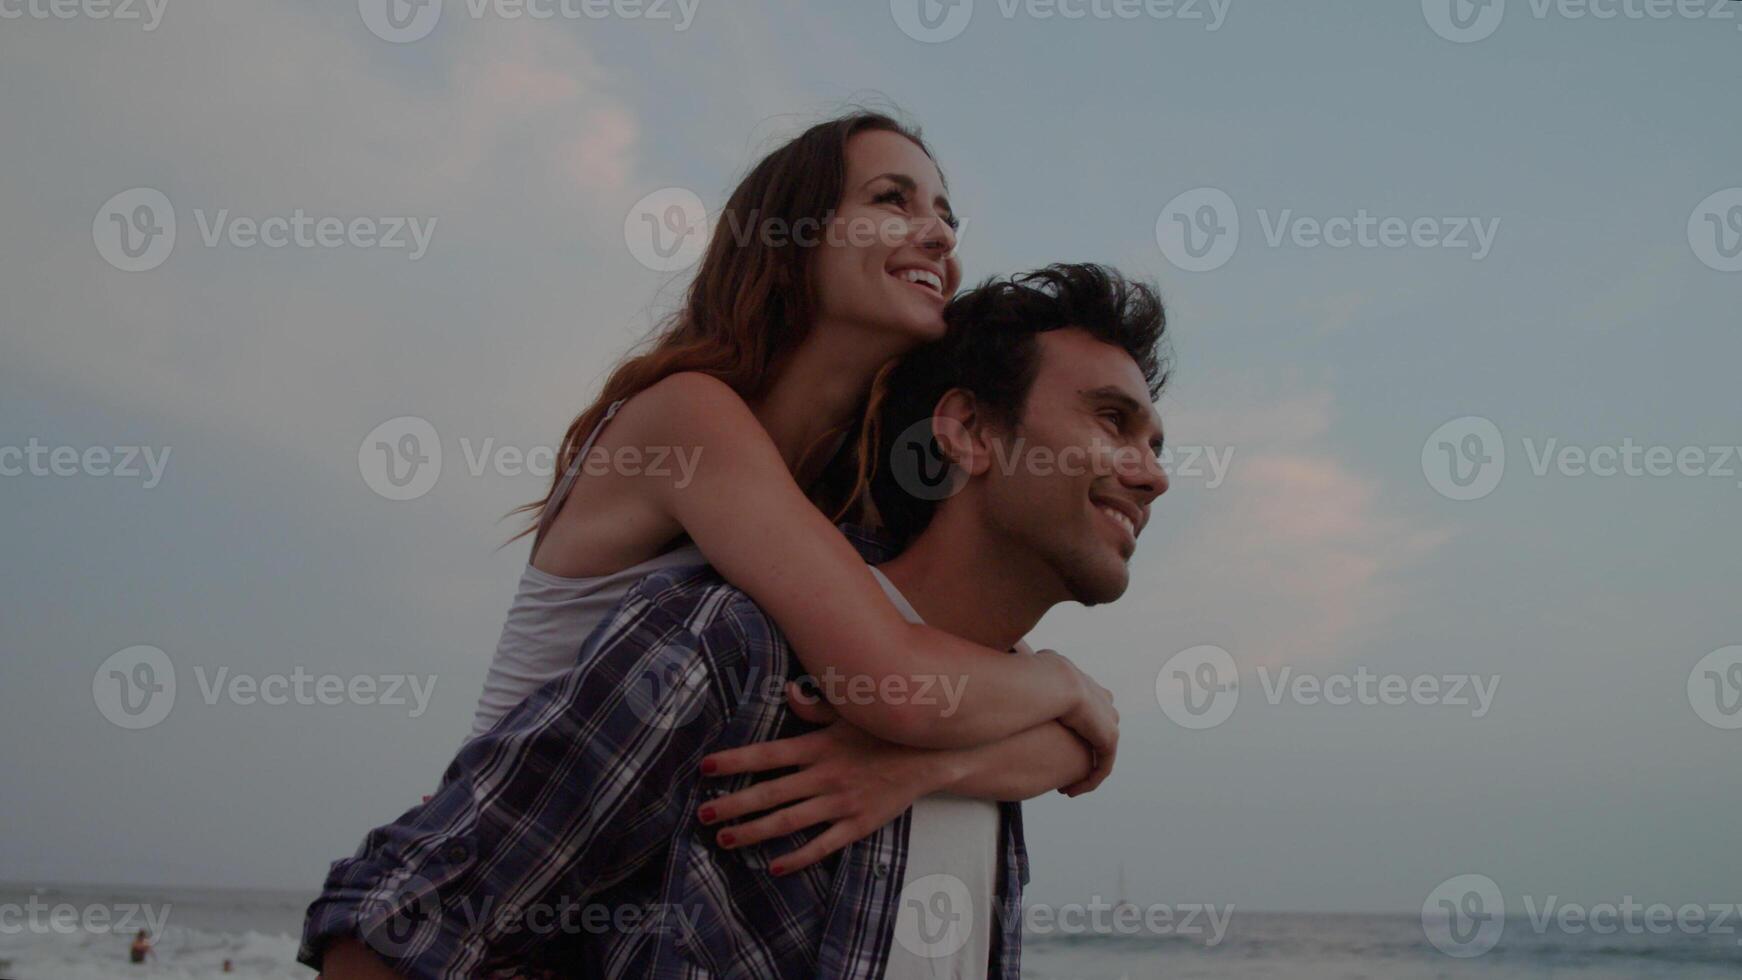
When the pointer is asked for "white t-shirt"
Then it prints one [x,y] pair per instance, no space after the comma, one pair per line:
[943,924]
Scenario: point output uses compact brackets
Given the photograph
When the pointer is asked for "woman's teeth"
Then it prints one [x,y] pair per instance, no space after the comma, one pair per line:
[921,277]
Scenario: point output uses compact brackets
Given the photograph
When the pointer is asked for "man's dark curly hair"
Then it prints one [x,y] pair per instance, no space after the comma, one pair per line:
[990,349]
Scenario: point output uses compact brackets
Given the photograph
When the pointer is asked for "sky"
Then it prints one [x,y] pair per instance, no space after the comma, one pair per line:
[1484,289]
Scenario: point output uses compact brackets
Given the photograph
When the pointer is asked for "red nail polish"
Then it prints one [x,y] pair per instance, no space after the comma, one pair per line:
[709,765]
[726,838]
[776,869]
[707,814]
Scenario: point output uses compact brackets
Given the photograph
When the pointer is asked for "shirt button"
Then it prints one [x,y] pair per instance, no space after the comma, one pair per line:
[882,869]
[454,853]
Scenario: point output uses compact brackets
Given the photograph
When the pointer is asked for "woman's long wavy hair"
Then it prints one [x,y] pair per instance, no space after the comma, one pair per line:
[752,301]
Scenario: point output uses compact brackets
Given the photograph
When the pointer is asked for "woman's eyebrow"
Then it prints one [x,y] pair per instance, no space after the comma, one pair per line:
[911,186]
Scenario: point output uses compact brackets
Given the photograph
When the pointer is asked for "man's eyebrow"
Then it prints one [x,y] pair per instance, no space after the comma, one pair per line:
[909,185]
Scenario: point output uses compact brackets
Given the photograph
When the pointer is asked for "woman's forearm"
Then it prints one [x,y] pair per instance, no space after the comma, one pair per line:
[1021,767]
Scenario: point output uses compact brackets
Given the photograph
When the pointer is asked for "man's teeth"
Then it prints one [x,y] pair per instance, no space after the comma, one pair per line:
[920,275]
[1124,521]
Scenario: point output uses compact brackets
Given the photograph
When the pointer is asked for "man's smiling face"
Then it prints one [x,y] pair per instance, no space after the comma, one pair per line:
[1086,454]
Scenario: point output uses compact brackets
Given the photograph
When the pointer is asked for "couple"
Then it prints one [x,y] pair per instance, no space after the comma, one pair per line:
[599,826]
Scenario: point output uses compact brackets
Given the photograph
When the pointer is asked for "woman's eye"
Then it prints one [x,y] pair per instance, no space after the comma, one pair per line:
[891,196]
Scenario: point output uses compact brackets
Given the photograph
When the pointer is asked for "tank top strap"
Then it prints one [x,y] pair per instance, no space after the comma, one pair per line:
[561,492]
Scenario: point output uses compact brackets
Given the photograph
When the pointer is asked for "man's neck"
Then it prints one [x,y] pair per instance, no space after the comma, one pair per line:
[962,581]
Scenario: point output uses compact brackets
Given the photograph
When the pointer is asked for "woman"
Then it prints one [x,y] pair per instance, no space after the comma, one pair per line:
[832,257]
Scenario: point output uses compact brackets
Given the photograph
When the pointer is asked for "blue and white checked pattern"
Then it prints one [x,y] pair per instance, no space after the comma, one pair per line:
[564,841]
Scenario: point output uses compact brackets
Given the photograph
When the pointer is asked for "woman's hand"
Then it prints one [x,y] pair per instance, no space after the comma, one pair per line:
[1095,721]
[855,782]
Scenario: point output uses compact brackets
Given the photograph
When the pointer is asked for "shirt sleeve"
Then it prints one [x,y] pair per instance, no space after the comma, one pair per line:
[577,789]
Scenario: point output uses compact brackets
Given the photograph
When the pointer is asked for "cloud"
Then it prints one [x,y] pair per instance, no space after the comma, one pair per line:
[1297,556]
[509,133]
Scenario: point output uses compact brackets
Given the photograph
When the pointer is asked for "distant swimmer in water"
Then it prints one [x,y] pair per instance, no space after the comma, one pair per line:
[141,947]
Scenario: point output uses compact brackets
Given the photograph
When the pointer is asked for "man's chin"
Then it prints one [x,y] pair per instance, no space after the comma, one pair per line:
[1095,586]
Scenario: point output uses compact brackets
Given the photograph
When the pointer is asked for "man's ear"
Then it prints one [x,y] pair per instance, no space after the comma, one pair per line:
[959,428]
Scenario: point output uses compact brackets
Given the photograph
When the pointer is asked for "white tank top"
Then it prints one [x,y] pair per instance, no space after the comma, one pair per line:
[551,616]
[943,920]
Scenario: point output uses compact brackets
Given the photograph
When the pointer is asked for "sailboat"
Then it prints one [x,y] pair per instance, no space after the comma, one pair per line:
[1123,901]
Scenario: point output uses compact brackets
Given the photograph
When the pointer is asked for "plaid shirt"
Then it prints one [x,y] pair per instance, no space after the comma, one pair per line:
[565,840]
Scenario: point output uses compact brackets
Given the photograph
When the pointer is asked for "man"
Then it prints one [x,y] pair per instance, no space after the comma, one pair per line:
[568,838]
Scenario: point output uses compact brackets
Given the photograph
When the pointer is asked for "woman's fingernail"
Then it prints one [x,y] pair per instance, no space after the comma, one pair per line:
[709,765]
[776,869]
[707,814]
[726,838]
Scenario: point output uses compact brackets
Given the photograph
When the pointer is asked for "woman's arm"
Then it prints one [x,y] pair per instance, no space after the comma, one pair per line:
[754,524]
[857,783]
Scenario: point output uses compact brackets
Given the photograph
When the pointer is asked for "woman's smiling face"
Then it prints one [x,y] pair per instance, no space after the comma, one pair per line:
[887,259]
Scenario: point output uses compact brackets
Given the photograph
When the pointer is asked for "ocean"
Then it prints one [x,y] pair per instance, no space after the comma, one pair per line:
[82,933]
